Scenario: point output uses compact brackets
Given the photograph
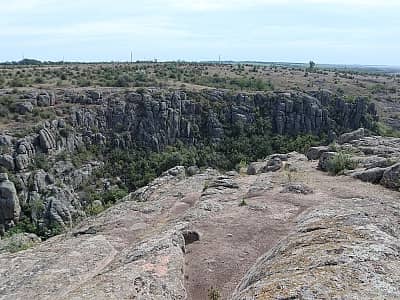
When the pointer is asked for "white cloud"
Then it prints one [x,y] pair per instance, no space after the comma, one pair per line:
[138,27]
[16,6]
[217,5]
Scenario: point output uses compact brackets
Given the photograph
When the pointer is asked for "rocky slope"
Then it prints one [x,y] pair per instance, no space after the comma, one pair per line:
[290,232]
[118,118]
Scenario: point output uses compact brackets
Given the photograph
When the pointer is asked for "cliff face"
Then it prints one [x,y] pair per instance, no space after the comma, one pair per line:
[159,119]
[124,119]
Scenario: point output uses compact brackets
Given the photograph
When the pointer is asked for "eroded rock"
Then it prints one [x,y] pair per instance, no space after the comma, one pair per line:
[9,203]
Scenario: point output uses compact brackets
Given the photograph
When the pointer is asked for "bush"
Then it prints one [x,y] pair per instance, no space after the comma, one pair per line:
[214,294]
[41,162]
[340,162]
[114,195]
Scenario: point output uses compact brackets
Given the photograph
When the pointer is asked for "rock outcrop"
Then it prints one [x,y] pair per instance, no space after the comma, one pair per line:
[9,203]
[377,158]
[246,236]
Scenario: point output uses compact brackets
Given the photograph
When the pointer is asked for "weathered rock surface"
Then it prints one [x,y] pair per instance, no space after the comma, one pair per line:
[373,175]
[324,160]
[324,237]
[351,136]
[378,158]
[314,153]
[9,202]
[391,177]
[340,250]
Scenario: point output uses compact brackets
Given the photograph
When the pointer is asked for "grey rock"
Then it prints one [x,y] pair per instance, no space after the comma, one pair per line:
[6,140]
[178,171]
[56,211]
[314,153]
[24,107]
[373,175]
[47,140]
[255,168]
[297,188]
[223,182]
[391,177]
[324,160]
[9,202]
[273,165]
[232,174]
[193,170]
[350,136]
[7,162]
[22,162]
[46,99]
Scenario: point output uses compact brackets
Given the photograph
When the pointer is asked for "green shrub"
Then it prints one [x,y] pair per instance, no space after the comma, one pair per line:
[93,209]
[214,294]
[41,162]
[243,202]
[340,162]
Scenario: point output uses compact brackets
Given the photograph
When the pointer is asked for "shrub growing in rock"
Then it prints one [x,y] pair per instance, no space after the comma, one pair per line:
[340,162]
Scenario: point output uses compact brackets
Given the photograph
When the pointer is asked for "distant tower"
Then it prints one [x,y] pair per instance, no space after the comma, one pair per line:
[131,57]
[219,59]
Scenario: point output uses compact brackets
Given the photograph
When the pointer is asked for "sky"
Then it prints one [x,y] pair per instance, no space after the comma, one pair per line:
[325,31]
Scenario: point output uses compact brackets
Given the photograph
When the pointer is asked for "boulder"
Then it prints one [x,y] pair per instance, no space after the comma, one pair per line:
[23,107]
[315,153]
[7,162]
[45,99]
[57,212]
[255,167]
[373,175]
[391,177]
[192,170]
[6,140]
[9,202]
[324,159]
[297,188]
[22,162]
[273,165]
[351,136]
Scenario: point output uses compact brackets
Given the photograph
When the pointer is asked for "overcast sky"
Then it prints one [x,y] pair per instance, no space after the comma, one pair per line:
[327,31]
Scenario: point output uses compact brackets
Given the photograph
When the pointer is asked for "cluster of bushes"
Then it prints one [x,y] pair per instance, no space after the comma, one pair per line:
[339,162]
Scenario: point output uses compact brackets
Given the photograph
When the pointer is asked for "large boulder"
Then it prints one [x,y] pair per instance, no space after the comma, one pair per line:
[255,167]
[373,175]
[57,212]
[7,162]
[324,160]
[315,153]
[45,99]
[6,140]
[391,177]
[351,136]
[9,202]
[273,165]
[24,107]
